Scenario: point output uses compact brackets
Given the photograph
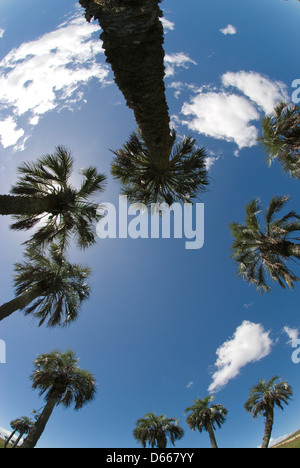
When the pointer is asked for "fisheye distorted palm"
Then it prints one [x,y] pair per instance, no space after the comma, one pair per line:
[44,194]
[156,430]
[262,251]
[48,288]
[180,179]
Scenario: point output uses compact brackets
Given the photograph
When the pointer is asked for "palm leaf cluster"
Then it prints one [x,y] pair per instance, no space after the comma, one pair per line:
[281,137]
[72,213]
[181,179]
[263,251]
[61,286]
[156,430]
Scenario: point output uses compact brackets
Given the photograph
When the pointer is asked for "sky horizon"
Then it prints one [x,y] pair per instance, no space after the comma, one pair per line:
[164,325]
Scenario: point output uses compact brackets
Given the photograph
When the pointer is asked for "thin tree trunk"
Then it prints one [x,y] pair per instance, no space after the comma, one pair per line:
[133,40]
[212,436]
[9,438]
[16,205]
[18,440]
[19,302]
[268,428]
[39,427]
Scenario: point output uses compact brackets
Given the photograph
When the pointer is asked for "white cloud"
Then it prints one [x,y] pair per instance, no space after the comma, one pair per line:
[168,25]
[292,333]
[176,61]
[48,73]
[223,116]
[250,344]
[261,90]
[219,113]
[2,31]
[230,29]
[190,384]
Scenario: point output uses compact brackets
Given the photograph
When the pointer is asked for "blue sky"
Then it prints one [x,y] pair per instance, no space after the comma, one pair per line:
[164,325]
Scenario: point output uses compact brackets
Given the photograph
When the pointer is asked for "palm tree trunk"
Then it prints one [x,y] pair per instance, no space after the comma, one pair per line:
[18,440]
[268,428]
[39,427]
[15,205]
[19,302]
[9,438]
[133,40]
[212,436]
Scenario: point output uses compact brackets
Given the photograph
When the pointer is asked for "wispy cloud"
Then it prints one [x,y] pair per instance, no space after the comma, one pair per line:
[2,31]
[190,385]
[167,24]
[46,74]
[250,344]
[174,62]
[292,333]
[229,30]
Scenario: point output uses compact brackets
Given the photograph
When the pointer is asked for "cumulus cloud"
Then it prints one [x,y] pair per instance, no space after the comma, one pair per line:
[260,89]
[250,344]
[292,333]
[47,74]
[221,113]
[223,116]
[173,62]
[230,29]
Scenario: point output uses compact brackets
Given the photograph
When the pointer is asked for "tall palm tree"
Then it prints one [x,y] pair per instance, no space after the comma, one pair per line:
[261,250]
[48,287]
[281,137]
[44,194]
[156,430]
[263,398]
[133,40]
[25,425]
[58,377]
[181,180]
[16,425]
[205,416]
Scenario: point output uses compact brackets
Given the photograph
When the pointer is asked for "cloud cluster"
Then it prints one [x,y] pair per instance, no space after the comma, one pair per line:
[229,30]
[46,74]
[228,115]
[250,344]
[292,333]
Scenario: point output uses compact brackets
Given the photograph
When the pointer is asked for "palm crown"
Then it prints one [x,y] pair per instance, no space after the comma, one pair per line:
[281,137]
[203,414]
[266,395]
[155,430]
[72,211]
[61,286]
[265,250]
[181,179]
[58,374]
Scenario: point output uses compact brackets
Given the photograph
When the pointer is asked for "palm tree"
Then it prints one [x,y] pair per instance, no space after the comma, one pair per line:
[16,425]
[263,398]
[48,288]
[58,377]
[281,137]
[25,425]
[260,250]
[156,430]
[44,193]
[205,416]
[182,178]
[133,40]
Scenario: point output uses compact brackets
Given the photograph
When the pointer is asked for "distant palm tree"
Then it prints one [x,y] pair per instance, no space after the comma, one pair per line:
[16,425]
[133,40]
[281,137]
[48,288]
[205,416]
[260,250]
[58,376]
[180,179]
[44,193]
[264,397]
[24,428]
[156,430]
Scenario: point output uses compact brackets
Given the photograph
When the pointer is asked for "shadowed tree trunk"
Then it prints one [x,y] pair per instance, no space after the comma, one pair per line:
[133,42]
[11,205]
[268,428]
[19,303]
